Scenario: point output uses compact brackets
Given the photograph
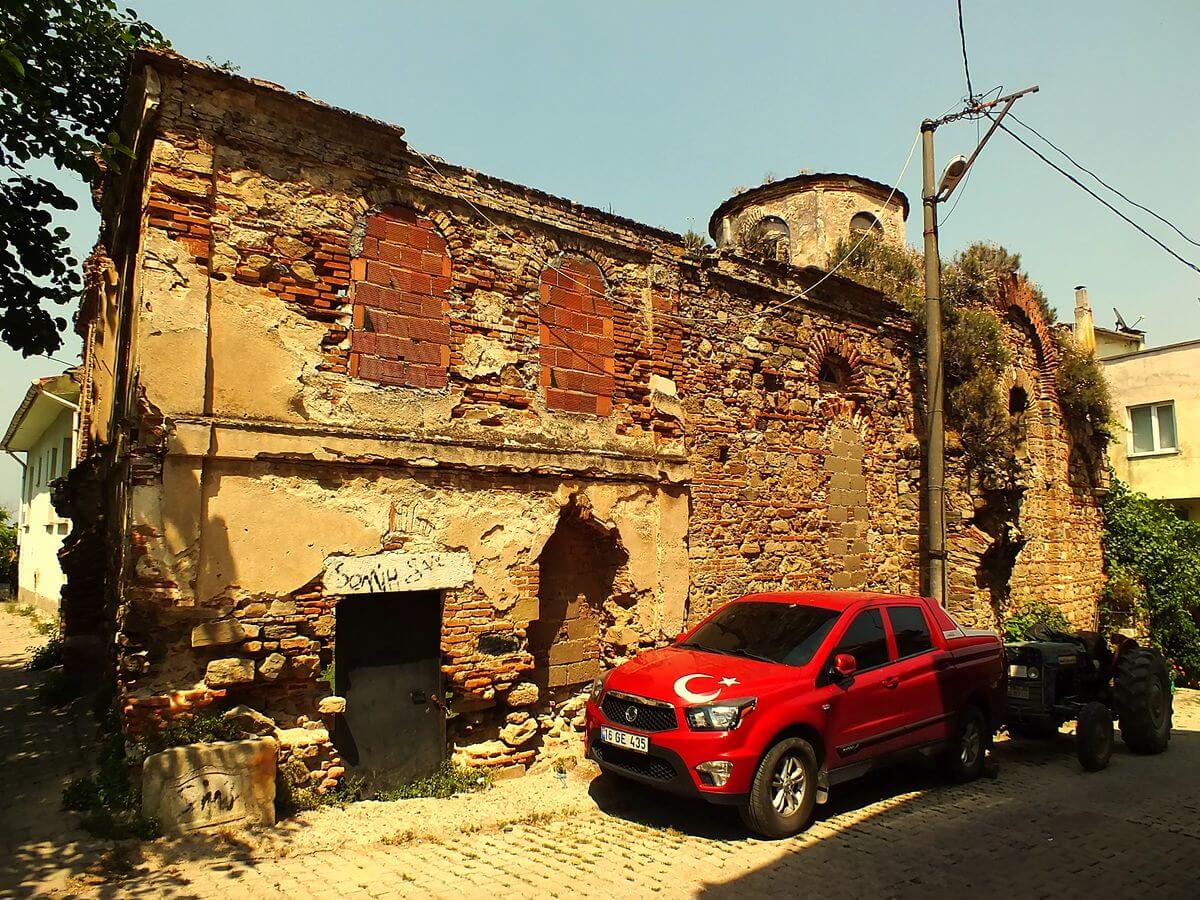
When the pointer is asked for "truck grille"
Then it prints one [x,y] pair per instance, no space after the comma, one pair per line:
[634,763]
[632,713]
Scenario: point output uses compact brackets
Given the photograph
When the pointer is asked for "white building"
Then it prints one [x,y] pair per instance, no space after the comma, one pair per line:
[1156,402]
[44,429]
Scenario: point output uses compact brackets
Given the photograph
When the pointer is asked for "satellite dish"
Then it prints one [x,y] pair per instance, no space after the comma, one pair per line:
[1121,326]
[952,175]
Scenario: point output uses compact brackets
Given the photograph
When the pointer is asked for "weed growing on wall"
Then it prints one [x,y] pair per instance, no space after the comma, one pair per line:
[975,356]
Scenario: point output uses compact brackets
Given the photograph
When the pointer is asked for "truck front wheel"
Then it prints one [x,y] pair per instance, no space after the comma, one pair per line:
[784,790]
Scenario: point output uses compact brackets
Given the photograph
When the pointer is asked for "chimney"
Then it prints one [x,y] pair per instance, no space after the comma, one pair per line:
[1085,326]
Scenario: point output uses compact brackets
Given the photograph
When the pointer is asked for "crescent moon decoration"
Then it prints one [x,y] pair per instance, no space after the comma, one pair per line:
[681,688]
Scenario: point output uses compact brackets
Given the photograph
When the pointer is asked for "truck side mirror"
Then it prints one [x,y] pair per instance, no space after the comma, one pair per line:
[845,664]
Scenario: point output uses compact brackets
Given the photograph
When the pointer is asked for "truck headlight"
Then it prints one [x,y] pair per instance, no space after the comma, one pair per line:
[598,685]
[719,716]
[1033,673]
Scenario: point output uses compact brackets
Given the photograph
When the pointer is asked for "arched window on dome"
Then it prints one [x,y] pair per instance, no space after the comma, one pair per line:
[864,222]
[770,238]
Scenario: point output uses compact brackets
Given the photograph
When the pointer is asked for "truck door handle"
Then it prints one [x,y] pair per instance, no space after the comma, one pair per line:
[418,697]
[891,682]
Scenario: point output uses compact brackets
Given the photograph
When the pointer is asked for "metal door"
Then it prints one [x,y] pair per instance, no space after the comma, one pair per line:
[387,664]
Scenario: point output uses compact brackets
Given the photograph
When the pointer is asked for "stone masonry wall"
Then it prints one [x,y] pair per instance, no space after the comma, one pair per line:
[343,351]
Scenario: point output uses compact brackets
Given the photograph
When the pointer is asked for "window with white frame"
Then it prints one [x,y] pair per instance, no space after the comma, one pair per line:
[1152,428]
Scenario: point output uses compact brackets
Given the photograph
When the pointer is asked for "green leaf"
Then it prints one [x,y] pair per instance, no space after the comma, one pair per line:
[13,61]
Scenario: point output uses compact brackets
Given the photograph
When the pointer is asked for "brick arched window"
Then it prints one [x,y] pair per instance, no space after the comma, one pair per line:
[576,338]
[401,334]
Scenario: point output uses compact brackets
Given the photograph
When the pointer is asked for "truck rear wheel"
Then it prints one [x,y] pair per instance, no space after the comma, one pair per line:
[784,790]
[1094,736]
[1143,698]
[967,751]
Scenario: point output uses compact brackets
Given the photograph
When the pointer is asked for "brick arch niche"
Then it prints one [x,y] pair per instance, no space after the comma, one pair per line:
[576,329]
[577,570]
[401,286]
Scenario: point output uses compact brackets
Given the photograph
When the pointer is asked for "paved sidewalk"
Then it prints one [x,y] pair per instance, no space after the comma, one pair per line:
[1043,828]
[40,750]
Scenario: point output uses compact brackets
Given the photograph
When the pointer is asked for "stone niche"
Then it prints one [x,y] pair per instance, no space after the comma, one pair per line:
[577,572]
[224,784]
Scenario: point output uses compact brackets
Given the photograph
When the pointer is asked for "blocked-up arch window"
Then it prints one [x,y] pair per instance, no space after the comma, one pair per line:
[401,333]
[576,338]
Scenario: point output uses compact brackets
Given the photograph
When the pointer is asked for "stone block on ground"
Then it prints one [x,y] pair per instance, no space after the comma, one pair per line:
[199,786]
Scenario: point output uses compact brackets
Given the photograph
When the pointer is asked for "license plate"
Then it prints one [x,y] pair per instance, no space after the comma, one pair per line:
[624,739]
[1019,692]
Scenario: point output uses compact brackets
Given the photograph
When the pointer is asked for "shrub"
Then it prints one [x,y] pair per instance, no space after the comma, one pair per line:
[447,781]
[1020,623]
[695,243]
[196,728]
[109,803]
[1082,388]
[47,655]
[974,354]
[8,547]
[1146,543]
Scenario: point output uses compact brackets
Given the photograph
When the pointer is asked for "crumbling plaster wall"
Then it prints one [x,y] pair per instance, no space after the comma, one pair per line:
[269,459]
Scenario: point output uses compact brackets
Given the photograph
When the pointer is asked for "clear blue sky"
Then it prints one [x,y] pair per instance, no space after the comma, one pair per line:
[659,109]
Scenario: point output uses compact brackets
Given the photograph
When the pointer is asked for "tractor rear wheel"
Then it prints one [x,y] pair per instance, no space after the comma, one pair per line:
[1143,699]
[1094,736]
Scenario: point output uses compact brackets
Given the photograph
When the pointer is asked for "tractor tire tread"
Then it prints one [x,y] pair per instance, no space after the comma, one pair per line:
[1136,669]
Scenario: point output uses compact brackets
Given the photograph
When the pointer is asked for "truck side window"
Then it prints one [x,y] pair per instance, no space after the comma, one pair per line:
[865,639]
[911,630]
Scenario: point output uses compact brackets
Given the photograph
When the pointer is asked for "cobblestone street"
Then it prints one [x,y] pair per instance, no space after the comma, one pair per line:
[1042,828]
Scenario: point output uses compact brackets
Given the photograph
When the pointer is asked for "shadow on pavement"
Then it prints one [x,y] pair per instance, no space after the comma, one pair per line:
[1043,827]
[41,749]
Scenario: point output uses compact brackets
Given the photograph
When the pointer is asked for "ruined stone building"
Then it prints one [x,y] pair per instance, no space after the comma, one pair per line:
[401,455]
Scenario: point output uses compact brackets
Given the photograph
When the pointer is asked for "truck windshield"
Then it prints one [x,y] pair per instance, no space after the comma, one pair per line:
[787,633]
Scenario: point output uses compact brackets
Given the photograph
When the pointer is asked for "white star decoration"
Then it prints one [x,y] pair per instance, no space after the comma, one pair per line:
[729,682]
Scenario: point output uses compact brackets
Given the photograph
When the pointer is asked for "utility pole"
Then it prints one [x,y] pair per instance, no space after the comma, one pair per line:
[933,193]
[935,394]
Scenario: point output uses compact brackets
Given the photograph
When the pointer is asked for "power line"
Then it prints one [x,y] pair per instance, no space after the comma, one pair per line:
[1084,168]
[962,34]
[1094,195]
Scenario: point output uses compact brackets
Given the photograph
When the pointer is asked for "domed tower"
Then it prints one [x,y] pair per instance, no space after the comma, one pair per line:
[801,219]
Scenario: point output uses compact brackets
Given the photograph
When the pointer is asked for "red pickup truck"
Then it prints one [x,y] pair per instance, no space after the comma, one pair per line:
[775,697]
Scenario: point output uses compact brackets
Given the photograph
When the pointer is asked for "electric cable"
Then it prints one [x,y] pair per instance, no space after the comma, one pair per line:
[1104,183]
[1191,265]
